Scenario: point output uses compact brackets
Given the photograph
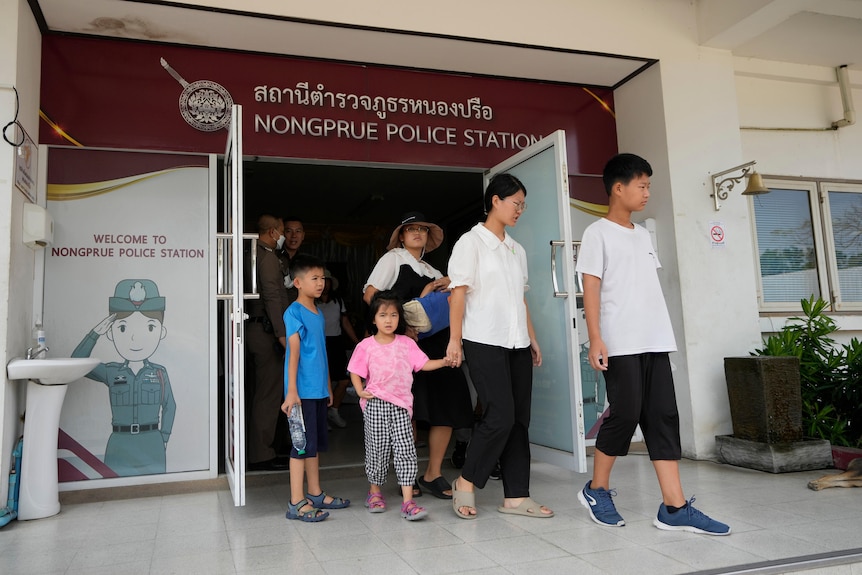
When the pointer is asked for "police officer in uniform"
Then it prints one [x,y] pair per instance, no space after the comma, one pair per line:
[294,234]
[142,403]
[265,341]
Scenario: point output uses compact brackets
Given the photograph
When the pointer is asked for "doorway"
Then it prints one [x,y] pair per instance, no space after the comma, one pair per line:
[348,213]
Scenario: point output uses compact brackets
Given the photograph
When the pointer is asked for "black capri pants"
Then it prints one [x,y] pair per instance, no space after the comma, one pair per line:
[640,391]
[503,379]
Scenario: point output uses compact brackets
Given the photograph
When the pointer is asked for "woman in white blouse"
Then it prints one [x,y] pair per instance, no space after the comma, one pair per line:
[440,398]
[490,319]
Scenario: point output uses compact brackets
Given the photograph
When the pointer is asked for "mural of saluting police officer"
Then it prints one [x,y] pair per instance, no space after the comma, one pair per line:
[142,403]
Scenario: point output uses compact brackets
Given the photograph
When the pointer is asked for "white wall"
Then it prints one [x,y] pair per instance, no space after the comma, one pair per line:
[682,117]
[792,97]
[799,103]
[633,27]
[20,56]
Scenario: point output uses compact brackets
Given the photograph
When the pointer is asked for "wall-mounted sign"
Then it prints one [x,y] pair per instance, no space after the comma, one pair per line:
[124,282]
[26,160]
[717,234]
[300,108]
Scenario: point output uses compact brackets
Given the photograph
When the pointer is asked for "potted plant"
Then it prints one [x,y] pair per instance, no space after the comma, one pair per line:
[831,377]
[817,397]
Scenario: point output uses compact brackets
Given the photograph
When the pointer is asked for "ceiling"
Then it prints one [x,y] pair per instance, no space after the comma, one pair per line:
[815,32]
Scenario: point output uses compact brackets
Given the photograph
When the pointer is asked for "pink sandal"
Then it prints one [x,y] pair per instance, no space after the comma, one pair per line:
[412,512]
[375,502]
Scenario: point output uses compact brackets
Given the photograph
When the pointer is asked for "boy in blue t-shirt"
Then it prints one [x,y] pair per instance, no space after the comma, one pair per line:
[306,382]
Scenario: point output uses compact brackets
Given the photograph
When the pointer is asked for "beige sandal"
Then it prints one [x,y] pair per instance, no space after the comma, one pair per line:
[527,508]
[463,499]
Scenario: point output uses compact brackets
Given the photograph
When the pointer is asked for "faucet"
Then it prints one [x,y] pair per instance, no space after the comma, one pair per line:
[34,354]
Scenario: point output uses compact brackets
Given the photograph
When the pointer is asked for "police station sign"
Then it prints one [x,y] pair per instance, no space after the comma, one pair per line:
[293,108]
[426,118]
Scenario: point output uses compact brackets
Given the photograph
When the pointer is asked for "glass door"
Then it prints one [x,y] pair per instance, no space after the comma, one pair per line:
[231,300]
[545,231]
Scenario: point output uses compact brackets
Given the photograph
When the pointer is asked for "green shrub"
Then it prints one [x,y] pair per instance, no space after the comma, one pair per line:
[831,375]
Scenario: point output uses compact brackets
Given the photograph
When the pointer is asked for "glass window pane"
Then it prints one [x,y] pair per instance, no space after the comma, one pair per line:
[785,240]
[846,208]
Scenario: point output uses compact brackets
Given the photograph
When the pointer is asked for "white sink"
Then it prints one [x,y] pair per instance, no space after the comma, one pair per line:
[52,370]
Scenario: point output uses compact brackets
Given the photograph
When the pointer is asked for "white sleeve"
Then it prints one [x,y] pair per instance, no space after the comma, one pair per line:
[384,274]
[590,256]
[463,263]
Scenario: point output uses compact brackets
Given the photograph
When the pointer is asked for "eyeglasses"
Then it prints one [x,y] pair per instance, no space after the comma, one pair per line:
[417,229]
[520,206]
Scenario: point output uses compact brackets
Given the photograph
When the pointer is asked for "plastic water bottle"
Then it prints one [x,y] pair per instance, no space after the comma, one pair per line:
[296,423]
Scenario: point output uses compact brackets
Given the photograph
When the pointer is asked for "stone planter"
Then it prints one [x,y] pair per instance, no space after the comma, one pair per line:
[765,398]
[784,457]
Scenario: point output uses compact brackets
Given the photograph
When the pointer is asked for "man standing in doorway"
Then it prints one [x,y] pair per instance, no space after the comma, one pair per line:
[294,234]
[265,337]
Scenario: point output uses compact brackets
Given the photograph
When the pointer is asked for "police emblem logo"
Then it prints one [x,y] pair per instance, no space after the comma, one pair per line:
[204,105]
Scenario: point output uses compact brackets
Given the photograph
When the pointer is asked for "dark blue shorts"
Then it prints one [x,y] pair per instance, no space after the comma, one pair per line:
[316,431]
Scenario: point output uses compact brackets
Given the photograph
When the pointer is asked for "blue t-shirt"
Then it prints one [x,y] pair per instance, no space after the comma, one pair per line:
[312,376]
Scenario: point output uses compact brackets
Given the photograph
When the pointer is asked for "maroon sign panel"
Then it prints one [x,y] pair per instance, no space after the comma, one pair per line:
[131,95]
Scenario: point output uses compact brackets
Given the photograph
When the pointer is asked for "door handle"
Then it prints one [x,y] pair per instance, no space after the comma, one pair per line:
[554,245]
[575,247]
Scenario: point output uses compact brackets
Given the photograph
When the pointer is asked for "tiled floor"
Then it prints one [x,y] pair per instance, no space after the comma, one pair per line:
[774,517]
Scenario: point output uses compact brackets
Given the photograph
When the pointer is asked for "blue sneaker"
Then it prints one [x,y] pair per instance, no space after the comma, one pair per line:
[689,519]
[598,502]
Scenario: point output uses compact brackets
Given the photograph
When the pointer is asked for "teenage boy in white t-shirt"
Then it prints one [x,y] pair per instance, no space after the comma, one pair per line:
[630,339]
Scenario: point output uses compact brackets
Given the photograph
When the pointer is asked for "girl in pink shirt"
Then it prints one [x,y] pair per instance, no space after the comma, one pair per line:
[386,361]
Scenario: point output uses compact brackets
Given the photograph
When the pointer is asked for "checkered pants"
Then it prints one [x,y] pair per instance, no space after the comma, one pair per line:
[388,430]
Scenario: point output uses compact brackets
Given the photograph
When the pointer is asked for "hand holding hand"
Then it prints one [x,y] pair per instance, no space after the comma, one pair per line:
[454,354]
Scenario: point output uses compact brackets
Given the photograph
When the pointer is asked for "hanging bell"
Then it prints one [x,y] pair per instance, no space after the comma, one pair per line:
[755,185]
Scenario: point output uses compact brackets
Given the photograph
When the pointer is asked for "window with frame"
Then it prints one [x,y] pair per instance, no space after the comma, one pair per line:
[808,236]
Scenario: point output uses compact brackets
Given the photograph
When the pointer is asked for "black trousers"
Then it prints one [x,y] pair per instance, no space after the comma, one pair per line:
[640,391]
[268,392]
[503,379]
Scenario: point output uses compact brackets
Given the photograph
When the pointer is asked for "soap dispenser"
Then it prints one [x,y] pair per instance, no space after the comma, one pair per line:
[38,227]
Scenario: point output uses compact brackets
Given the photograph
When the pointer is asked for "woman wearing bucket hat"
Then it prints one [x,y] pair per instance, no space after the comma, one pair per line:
[441,398]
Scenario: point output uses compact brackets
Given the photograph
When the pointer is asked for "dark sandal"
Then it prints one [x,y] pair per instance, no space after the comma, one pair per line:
[436,487]
[311,516]
[417,491]
[319,501]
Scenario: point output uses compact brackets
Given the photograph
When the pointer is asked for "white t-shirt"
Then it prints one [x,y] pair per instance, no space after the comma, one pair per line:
[385,273]
[633,313]
[332,311]
[495,274]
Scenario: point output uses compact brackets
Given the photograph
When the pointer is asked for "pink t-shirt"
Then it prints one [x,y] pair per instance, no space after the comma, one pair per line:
[388,369]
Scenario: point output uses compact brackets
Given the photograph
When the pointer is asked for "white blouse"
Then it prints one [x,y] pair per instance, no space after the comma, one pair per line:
[385,273]
[495,274]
